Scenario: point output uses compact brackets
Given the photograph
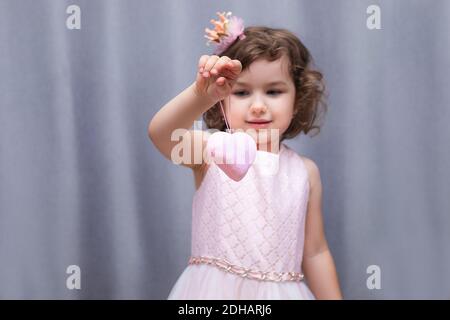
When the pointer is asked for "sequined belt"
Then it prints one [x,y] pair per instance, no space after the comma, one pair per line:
[245,272]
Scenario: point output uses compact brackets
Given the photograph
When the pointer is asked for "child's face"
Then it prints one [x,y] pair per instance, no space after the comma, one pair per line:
[253,97]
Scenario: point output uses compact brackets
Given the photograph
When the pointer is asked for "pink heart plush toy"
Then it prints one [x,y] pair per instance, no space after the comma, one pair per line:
[233,153]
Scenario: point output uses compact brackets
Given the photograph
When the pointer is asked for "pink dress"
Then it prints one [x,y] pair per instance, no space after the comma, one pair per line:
[248,236]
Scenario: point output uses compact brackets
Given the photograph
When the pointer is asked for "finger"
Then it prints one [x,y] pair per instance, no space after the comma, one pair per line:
[235,65]
[202,61]
[220,65]
[228,72]
[230,69]
[210,63]
[221,81]
[201,80]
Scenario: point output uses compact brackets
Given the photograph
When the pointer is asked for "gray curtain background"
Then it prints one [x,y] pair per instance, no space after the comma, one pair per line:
[81,183]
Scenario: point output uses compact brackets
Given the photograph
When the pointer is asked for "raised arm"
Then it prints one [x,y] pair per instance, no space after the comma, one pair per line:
[214,80]
[179,113]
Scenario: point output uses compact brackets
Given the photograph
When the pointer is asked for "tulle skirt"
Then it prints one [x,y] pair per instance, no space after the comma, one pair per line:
[206,282]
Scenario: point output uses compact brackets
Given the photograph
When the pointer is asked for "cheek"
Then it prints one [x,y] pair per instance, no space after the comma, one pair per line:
[284,108]
[284,113]
[236,112]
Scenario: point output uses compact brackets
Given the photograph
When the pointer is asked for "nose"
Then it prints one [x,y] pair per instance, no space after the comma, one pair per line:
[258,108]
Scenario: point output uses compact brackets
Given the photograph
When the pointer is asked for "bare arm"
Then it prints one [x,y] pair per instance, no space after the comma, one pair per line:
[178,113]
[214,81]
[318,265]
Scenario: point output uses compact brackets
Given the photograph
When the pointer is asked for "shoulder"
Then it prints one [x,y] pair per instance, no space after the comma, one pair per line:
[311,167]
[313,171]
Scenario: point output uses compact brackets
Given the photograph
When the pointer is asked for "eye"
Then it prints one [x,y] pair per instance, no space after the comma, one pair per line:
[240,93]
[274,92]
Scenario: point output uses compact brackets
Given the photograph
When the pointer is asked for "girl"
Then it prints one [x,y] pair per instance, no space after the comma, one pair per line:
[260,237]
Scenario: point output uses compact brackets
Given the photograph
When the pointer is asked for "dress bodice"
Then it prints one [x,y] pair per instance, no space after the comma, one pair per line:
[258,222]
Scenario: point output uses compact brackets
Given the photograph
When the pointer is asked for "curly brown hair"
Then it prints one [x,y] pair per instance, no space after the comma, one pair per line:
[271,44]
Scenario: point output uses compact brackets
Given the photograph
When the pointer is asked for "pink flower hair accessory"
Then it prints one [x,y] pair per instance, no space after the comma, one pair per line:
[225,32]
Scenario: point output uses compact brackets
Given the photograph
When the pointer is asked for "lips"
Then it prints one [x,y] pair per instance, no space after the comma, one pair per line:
[259,121]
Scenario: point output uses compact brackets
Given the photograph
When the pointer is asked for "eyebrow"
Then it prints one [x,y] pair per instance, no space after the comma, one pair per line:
[273,83]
